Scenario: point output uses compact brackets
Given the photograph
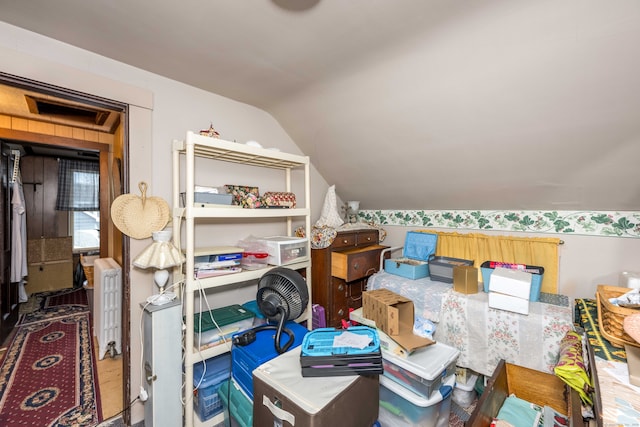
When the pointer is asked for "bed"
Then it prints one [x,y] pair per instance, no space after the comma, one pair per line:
[484,335]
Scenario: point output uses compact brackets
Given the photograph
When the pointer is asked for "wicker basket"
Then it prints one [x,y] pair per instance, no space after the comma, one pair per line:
[87,267]
[611,317]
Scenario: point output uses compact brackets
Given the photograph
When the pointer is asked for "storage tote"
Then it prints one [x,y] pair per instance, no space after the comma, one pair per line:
[244,359]
[213,327]
[238,408]
[418,249]
[537,274]
[422,371]
[207,378]
[399,407]
[441,267]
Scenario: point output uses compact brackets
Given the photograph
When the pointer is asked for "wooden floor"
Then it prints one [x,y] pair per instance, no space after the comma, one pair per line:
[110,380]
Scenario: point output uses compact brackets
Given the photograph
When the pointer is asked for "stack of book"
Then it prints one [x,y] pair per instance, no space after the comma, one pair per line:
[217,261]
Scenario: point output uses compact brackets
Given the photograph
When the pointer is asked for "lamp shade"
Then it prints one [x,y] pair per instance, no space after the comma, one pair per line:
[160,254]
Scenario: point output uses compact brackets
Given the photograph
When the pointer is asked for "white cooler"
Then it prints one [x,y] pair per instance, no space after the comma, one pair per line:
[399,407]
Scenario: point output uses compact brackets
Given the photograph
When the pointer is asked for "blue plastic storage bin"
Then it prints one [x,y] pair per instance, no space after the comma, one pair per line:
[218,369]
[246,358]
[536,279]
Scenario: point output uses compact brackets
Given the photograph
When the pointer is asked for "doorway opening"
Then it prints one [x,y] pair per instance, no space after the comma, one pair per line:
[50,122]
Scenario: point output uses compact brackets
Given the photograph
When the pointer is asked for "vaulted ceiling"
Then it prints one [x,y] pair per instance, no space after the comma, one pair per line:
[406,104]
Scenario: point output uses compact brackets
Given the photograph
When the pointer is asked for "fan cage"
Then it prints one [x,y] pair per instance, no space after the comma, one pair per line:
[288,288]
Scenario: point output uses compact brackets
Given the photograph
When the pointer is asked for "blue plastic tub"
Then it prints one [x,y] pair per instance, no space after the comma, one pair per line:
[218,369]
[536,280]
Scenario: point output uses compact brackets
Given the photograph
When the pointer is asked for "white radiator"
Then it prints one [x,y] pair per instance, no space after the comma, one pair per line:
[107,306]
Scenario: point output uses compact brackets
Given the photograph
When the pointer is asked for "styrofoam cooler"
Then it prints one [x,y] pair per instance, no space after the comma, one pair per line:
[422,371]
[282,396]
[400,407]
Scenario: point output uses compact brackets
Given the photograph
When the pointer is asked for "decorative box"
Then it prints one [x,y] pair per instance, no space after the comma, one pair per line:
[244,195]
[465,279]
[279,199]
[418,249]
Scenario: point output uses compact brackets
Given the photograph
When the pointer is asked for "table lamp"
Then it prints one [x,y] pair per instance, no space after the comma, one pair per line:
[161,254]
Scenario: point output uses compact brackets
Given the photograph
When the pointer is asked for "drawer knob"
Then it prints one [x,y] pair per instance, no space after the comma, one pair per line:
[355,266]
[345,241]
[341,312]
[368,238]
[341,287]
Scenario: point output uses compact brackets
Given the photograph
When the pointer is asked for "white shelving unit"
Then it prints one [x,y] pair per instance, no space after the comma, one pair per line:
[216,150]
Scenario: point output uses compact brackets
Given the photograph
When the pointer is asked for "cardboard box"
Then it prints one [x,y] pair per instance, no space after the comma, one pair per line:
[511,282]
[394,315]
[465,279]
[508,303]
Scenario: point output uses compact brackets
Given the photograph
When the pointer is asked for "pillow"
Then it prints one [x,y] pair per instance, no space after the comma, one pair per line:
[520,413]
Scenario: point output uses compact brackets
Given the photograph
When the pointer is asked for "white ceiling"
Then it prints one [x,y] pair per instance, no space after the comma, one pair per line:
[406,104]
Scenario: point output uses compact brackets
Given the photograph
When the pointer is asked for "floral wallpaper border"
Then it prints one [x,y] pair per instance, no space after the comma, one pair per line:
[596,223]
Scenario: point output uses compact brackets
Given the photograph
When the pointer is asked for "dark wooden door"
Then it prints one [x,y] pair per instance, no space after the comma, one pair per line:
[8,291]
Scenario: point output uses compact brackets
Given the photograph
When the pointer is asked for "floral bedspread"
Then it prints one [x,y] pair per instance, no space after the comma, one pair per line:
[485,335]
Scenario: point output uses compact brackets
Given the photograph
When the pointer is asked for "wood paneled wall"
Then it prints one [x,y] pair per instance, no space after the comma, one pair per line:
[40,186]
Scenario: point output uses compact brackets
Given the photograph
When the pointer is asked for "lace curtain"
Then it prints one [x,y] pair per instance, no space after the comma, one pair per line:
[78,185]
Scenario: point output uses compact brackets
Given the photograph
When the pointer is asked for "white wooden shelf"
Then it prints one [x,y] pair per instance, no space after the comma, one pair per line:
[187,212]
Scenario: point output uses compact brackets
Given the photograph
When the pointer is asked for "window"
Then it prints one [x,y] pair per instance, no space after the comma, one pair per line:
[79,193]
[86,230]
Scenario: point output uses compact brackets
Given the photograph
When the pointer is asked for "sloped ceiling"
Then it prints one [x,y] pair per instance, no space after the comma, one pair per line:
[406,104]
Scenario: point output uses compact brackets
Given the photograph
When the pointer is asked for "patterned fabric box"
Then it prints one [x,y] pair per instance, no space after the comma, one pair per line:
[279,198]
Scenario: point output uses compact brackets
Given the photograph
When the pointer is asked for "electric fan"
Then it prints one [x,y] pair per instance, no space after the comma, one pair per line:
[282,296]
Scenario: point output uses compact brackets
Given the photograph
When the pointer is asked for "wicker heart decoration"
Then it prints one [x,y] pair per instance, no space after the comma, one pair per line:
[139,216]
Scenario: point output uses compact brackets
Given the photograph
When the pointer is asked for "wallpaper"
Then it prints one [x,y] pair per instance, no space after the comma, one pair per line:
[597,223]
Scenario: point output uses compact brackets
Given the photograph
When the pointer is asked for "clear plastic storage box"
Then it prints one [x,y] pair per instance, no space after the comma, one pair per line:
[422,371]
[285,250]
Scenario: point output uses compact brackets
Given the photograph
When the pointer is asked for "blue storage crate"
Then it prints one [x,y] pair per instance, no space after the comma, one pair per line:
[208,376]
[536,279]
[244,359]
[418,249]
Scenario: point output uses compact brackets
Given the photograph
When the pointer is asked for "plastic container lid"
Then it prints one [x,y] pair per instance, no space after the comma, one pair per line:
[411,397]
[419,246]
[428,362]
[223,316]
[218,370]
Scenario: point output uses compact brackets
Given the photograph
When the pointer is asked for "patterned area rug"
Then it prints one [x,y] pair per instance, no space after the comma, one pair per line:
[71,297]
[48,376]
[55,304]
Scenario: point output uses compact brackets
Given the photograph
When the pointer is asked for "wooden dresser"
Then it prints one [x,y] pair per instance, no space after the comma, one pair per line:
[339,272]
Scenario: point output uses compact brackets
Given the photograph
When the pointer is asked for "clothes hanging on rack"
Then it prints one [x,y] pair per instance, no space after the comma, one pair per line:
[19,240]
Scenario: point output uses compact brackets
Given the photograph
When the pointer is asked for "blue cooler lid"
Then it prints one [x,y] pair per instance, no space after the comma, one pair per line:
[420,246]
[218,370]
